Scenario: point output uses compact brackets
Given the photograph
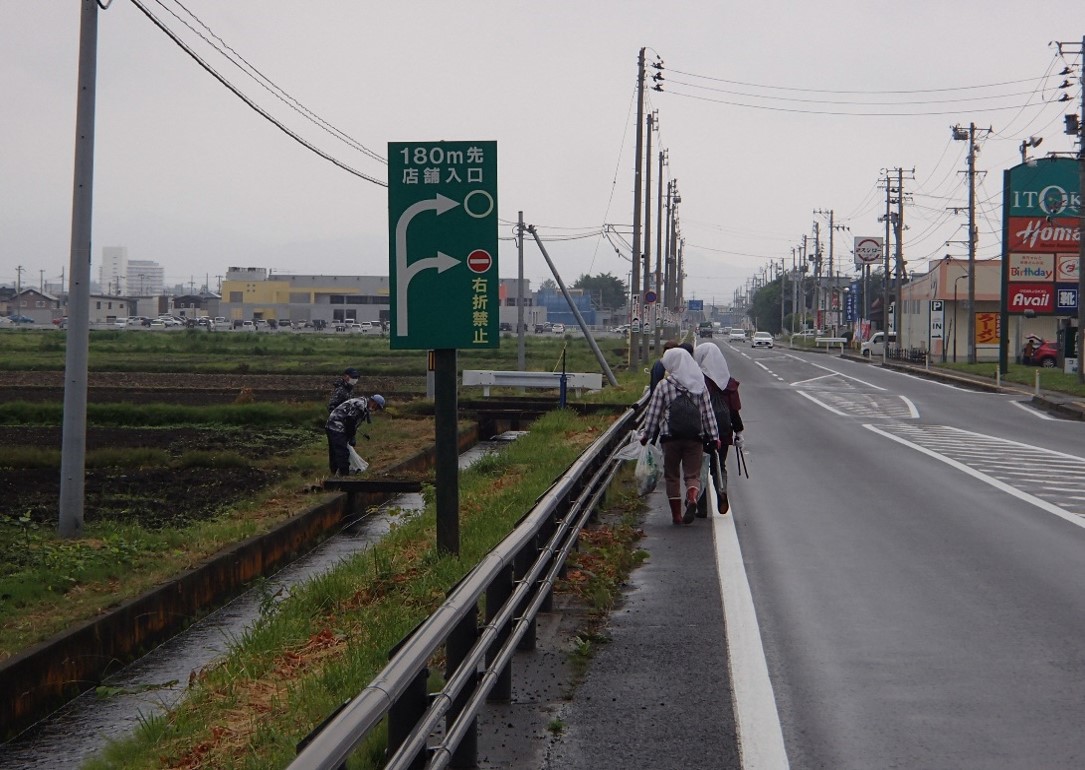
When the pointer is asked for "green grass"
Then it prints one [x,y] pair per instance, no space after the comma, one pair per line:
[281,353]
[1050,379]
[328,639]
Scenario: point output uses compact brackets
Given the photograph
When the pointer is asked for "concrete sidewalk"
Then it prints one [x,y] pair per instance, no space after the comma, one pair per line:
[659,693]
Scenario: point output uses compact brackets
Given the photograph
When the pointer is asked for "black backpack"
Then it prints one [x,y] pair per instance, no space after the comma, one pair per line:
[684,417]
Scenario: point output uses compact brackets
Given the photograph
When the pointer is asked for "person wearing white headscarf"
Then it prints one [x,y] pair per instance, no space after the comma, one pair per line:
[723,393]
[682,455]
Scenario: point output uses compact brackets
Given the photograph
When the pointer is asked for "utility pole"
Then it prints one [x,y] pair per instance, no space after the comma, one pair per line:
[885,278]
[74,430]
[899,228]
[19,279]
[635,332]
[817,275]
[521,355]
[668,263]
[1075,124]
[1081,224]
[659,254]
[645,315]
[969,135]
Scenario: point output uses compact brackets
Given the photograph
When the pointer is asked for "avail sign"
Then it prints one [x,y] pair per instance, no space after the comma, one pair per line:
[1039,298]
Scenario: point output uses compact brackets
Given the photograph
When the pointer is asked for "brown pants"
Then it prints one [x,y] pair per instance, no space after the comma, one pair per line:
[682,466]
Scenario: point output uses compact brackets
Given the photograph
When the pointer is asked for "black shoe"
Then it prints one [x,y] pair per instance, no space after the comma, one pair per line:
[724,506]
[691,507]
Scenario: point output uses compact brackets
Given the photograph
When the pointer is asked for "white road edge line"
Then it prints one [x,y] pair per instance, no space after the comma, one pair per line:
[760,736]
[911,407]
[1034,411]
[1042,504]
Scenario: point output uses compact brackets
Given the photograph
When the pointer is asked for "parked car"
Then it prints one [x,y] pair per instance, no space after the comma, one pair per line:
[543,327]
[20,319]
[1046,355]
[159,323]
[875,346]
[761,340]
[736,335]
[558,329]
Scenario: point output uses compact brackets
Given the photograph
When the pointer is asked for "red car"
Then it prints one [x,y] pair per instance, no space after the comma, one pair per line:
[1046,355]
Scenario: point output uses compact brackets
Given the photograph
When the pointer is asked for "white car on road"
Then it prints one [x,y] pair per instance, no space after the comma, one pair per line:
[737,335]
[761,340]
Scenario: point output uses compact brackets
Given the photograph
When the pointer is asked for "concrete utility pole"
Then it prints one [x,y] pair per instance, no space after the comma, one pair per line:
[646,317]
[972,244]
[898,226]
[668,280]
[659,254]
[634,333]
[817,276]
[521,354]
[1081,226]
[1078,121]
[74,430]
[885,278]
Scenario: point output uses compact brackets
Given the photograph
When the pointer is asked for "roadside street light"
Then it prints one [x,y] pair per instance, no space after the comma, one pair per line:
[1032,141]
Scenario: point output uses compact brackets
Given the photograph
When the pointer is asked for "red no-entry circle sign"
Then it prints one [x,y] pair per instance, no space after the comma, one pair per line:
[479,261]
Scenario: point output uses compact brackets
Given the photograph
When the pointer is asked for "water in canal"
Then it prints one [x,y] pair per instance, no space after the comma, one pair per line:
[158,680]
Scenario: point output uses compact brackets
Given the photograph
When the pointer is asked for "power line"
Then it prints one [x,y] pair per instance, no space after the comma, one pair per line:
[249,101]
[841,91]
[265,82]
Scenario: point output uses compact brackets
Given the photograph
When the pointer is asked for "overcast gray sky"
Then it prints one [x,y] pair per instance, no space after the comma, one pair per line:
[767,114]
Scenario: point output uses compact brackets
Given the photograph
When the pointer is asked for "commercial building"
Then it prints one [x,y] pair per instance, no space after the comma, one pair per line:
[255,293]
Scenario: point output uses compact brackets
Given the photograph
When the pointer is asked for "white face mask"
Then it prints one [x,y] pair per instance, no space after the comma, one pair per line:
[353,381]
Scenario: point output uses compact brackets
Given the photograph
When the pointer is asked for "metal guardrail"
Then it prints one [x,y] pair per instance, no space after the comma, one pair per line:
[516,578]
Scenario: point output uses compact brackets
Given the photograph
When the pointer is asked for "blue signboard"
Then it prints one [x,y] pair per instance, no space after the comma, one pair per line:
[695,304]
[1066,298]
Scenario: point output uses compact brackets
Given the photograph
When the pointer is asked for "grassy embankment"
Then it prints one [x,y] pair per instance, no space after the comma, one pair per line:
[75,579]
[329,638]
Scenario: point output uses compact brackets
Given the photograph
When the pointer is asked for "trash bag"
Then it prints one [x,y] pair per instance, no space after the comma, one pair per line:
[649,468]
[631,451]
[357,464]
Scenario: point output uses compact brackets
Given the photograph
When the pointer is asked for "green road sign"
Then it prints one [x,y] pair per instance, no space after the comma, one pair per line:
[442,237]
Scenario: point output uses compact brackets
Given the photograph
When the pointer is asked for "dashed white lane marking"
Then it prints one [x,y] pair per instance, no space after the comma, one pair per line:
[760,736]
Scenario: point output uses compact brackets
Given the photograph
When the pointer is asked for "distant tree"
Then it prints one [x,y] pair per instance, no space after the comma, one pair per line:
[607,289]
[548,285]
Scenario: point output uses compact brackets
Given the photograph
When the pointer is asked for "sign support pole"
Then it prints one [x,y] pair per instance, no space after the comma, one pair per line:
[447,468]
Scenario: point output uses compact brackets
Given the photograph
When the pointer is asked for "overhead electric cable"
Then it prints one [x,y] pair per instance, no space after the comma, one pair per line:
[265,82]
[250,102]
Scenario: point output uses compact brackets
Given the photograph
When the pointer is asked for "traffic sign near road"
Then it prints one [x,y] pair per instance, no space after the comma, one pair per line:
[442,236]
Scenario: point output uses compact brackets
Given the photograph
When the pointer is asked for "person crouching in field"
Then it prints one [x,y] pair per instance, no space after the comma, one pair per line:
[342,429]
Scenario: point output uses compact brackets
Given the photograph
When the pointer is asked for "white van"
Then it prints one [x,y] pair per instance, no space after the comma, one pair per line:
[875,346]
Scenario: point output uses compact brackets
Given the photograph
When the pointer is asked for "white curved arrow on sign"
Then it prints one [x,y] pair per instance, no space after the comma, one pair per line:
[404,273]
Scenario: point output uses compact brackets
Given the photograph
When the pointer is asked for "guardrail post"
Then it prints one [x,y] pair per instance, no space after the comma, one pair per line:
[527,557]
[497,594]
[405,714]
[459,644]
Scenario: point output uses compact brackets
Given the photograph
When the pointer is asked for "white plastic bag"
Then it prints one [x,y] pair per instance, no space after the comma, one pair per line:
[649,468]
[357,464]
[631,451]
